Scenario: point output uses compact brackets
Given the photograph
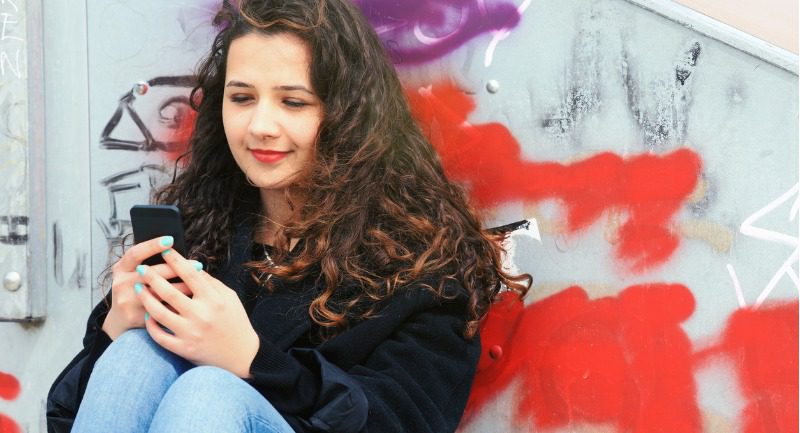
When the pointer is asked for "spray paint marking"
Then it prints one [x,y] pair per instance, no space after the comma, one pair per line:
[748,228]
[418,31]
[736,286]
[9,387]
[9,390]
[649,188]
[762,344]
[160,118]
[592,361]
[500,35]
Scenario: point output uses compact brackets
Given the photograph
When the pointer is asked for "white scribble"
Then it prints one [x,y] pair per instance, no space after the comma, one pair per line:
[737,287]
[13,66]
[748,228]
[501,34]
[497,36]
[431,40]
[7,19]
[14,5]
[785,269]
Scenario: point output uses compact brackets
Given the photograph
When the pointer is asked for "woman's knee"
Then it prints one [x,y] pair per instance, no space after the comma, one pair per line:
[226,402]
[214,388]
[134,350]
[207,382]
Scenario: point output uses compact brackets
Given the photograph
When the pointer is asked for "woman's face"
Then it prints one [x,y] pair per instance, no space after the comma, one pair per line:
[270,111]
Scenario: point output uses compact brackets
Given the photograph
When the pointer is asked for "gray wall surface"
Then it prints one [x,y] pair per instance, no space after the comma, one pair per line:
[655,154]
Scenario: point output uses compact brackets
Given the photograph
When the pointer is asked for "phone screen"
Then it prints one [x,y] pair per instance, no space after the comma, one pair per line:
[153,221]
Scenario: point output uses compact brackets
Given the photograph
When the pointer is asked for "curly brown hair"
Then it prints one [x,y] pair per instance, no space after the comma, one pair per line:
[378,213]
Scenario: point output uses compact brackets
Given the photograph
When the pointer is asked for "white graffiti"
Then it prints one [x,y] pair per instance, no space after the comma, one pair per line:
[737,287]
[749,228]
[499,35]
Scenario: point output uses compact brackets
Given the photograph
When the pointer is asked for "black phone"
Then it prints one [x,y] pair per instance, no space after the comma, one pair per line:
[153,221]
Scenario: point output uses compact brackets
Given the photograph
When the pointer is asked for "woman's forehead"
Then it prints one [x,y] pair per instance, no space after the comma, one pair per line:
[258,57]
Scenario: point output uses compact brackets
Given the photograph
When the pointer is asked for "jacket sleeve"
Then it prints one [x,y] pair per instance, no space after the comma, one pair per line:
[414,378]
[67,391]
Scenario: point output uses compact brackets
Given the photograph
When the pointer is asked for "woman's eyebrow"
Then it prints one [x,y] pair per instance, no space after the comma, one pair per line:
[285,87]
[234,83]
[294,87]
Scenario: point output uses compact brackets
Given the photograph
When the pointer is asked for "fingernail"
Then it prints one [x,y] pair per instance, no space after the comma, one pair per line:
[141,269]
[146,317]
[167,241]
[165,252]
[197,265]
[138,288]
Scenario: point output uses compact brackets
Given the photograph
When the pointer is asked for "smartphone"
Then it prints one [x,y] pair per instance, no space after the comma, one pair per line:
[153,221]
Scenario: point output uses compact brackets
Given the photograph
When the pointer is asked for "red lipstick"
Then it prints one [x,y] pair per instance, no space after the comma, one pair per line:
[268,156]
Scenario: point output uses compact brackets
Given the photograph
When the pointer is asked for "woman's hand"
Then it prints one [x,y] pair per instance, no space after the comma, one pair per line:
[126,309]
[210,328]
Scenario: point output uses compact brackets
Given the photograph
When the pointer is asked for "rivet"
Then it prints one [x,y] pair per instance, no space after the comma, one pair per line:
[141,88]
[492,86]
[496,352]
[12,281]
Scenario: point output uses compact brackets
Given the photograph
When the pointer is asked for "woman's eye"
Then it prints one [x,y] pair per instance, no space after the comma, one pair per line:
[294,103]
[238,99]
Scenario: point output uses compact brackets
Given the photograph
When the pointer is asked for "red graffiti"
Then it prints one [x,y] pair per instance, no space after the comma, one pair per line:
[7,425]
[648,188]
[763,346]
[180,133]
[9,390]
[595,361]
[9,386]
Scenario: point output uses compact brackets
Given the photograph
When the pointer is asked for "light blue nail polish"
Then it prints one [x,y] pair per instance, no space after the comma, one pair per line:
[146,317]
[165,252]
[167,241]
[138,287]
[141,269]
[197,265]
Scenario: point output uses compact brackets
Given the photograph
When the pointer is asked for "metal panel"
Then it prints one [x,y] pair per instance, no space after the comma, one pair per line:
[22,209]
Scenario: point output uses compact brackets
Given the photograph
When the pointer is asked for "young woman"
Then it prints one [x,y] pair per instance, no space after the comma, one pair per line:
[337,277]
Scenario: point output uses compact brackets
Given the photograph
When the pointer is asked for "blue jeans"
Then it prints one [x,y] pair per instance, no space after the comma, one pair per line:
[138,386]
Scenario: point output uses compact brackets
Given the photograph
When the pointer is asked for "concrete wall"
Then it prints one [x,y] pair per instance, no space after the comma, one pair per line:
[655,154]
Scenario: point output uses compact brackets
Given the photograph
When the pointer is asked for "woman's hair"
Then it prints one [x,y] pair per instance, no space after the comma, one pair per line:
[377,212]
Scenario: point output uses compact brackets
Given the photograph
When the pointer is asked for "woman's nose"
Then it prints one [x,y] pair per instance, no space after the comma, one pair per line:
[264,121]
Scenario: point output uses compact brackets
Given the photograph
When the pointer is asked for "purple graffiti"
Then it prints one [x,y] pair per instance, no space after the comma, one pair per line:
[418,31]
[414,31]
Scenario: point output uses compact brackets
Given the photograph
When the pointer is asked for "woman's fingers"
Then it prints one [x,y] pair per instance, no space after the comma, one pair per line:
[140,252]
[162,290]
[189,271]
[160,335]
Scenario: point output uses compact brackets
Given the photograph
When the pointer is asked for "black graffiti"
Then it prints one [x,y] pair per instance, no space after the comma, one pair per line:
[117,226]
[78,277]
[665,121]
[684,68]
[171,112]
[508,228]
[13,229]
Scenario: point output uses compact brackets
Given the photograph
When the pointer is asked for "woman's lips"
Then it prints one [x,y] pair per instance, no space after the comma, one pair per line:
[268,156]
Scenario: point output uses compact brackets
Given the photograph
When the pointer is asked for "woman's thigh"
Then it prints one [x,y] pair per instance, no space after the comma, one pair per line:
[127,384]
[211,399]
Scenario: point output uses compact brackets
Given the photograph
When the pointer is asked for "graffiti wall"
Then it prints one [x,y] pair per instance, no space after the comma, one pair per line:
[655,167]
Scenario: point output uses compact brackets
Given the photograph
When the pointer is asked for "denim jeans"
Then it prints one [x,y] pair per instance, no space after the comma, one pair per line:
[138,386]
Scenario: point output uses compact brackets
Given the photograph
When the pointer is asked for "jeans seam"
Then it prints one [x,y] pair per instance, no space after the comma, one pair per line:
[266,422]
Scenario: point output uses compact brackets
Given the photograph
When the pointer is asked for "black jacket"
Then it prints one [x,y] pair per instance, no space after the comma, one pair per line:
[407,370]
